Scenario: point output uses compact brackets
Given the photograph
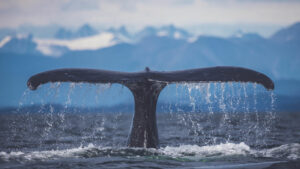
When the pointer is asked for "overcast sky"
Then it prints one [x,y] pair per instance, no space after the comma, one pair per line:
[139,13]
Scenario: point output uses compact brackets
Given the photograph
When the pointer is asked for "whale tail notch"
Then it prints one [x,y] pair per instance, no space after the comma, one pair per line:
[146,87]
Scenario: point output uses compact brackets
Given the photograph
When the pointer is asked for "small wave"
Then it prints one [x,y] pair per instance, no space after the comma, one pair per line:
[226,149]
[42,155]
[289,151]
[190,152]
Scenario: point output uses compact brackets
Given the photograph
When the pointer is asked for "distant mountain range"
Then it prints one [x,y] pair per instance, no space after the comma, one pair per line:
[84,31]
[289,34]
[165,48]
[88,38]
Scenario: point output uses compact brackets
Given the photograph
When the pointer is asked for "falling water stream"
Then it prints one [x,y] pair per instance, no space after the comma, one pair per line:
[69,125]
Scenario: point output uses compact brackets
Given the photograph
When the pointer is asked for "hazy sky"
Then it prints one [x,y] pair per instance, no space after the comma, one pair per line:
[139,13]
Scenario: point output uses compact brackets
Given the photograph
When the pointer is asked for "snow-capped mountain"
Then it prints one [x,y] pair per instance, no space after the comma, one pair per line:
[84,31]
[21,44]
[87,38]
[169,31]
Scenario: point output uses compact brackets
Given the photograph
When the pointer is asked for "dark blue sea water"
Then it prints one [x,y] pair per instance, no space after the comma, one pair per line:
[50,138]
[97,140]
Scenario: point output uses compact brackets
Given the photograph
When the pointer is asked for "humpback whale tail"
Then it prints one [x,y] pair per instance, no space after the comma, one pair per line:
[146,87]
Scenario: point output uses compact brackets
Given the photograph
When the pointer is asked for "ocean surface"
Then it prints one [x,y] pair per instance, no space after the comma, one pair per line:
[187,140]
[223,126]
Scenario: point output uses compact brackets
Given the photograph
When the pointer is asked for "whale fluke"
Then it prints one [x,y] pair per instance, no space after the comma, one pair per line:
[212,74]
[146,87]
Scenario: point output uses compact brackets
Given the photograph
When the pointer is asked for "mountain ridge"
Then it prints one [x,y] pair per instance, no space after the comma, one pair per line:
[19,58]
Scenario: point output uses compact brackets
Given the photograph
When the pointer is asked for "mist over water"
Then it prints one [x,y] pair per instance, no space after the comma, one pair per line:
[199,125]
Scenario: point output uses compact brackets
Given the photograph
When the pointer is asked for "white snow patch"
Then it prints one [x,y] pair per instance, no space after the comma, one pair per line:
[162,33]
[177,35]
[4,41]
[99,41]
[192,39]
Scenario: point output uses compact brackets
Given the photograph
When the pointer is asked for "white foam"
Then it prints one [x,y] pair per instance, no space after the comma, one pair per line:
[43,155]
[225,149]
[289,151]
[192,152]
